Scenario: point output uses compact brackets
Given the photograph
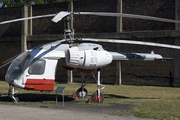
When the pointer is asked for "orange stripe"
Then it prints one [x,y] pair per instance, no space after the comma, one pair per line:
[40,84]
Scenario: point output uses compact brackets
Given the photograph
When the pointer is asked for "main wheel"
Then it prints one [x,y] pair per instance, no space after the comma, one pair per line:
[95,97]
[82,93]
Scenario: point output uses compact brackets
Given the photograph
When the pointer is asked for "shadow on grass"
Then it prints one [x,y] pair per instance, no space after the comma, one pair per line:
[124,97]
[37,97]
[115,96]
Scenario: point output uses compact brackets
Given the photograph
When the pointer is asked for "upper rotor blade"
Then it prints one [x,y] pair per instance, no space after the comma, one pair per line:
[59,16]
[131,42]
[129,15]
[21,19]
[62,14]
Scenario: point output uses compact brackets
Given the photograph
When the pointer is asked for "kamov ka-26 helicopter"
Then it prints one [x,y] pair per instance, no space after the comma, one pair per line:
[35,69]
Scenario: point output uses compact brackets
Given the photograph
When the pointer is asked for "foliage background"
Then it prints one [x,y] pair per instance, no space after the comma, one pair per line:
[13,3]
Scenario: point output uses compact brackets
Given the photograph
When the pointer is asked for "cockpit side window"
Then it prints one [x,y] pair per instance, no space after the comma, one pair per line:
[37,67]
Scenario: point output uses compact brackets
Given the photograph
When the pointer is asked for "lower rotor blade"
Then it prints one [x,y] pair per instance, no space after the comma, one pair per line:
[21,19]
[130,16]
[50,44]
[131,42]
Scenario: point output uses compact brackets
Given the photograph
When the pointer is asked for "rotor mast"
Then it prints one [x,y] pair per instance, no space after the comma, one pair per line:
[69,31]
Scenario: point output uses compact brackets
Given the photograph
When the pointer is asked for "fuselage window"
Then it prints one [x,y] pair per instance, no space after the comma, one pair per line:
[37,67]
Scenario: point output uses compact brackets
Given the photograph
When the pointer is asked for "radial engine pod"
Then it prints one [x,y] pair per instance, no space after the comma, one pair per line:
[87,59]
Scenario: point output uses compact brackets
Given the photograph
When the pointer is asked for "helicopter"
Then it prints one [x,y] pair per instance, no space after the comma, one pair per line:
[35,69]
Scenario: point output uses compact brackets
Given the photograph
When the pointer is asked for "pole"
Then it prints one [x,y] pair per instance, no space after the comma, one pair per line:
[70,26]
[56,99]
[177,52]
[118,46]
[63,98]
[24,29]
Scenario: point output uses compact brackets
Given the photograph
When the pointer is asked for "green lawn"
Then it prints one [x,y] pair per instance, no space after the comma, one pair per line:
[147,101]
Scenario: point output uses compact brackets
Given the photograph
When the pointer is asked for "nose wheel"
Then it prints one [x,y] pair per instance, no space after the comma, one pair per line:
[15,99]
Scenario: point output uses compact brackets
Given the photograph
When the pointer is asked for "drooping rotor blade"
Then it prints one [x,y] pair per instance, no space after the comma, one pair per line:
[8,61]
[21,19]
[131,42]
[59,16]
[128,15]
[62,14]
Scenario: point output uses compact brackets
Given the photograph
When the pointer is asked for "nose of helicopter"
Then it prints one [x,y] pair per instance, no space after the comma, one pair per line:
[9,80]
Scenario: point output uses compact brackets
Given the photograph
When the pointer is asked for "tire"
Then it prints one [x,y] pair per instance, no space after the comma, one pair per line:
[17,99]
[95,97]
[82,94]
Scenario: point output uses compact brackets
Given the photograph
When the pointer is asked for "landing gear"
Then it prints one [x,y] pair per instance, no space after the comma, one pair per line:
[11,94]
[82,93]
[99,99]
[97,96]
[16,99]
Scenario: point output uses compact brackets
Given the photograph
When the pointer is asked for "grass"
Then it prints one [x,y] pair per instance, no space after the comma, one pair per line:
[146,101]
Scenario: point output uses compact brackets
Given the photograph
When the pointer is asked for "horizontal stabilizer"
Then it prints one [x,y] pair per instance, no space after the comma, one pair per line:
[164,59]
[135,56]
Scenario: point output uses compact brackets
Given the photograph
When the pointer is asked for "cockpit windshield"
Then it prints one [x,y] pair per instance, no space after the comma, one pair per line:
[19,65]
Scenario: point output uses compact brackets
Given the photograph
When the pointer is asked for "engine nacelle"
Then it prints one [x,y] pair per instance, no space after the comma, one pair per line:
[87,59]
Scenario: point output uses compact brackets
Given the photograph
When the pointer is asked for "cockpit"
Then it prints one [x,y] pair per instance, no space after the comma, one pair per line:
[17,67]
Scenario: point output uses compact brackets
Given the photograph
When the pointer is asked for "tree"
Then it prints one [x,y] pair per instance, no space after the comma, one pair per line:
[12,3]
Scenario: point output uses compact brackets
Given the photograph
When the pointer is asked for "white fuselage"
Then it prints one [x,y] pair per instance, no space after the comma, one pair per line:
[35,69]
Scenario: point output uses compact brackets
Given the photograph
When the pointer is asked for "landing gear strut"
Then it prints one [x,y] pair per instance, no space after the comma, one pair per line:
[11,94]
[98,96]
[82,92]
